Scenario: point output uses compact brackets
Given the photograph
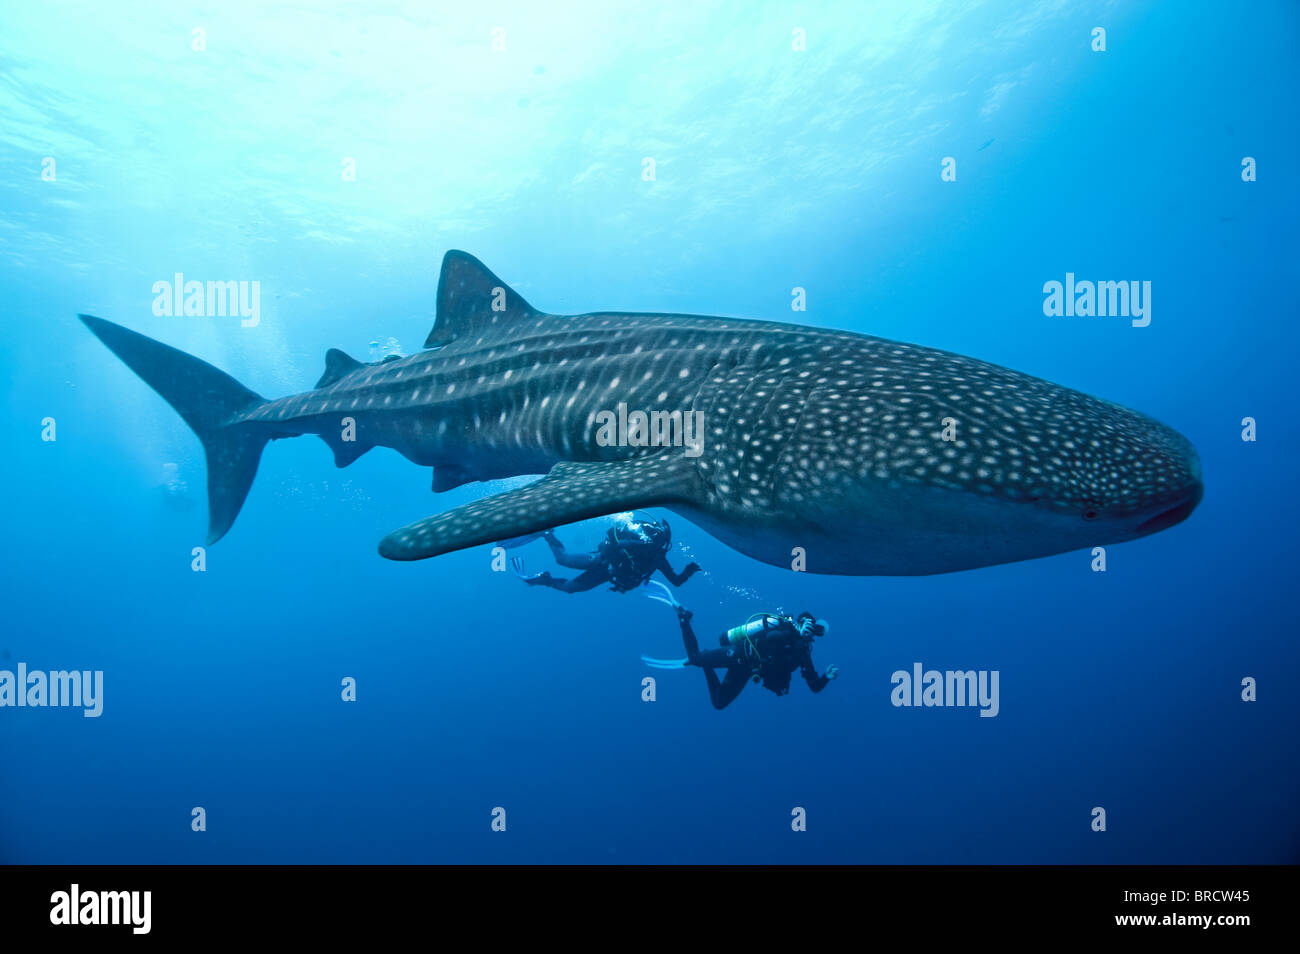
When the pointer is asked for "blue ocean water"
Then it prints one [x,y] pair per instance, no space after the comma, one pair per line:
[520,134]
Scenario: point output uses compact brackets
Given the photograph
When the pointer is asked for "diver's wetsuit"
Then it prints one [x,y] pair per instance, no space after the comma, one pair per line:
[782,651]
[625,564]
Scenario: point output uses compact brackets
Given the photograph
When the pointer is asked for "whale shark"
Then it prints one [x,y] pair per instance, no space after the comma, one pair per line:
[853,454]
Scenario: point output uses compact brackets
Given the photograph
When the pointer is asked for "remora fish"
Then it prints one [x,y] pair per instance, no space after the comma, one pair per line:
[873,456]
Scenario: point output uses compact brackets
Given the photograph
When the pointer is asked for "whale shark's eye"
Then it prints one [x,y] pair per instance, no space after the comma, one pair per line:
[1090,515]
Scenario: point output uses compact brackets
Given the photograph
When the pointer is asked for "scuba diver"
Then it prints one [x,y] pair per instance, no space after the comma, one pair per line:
[766,648]
[627,557]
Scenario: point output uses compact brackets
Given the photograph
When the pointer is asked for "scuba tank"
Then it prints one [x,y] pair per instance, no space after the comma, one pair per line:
[623,571]
[626,572]
[752,629]
[745,637]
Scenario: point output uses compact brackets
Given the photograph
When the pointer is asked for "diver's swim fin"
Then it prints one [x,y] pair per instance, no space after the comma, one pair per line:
[570,492]
[515,542]
[665,663]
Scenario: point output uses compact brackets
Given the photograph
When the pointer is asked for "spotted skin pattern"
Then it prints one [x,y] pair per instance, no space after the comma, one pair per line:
[866,456]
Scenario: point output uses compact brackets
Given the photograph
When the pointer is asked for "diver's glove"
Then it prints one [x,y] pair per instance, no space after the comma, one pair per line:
[832,672]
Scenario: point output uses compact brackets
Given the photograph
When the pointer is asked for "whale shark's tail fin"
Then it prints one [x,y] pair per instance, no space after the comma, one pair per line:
[210,401]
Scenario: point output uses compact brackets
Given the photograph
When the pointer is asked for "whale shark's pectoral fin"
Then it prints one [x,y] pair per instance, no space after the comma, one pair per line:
[570,492]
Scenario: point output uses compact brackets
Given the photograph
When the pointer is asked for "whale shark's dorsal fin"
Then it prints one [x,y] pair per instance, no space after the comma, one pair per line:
[470,299]
[570,492]
[337,365]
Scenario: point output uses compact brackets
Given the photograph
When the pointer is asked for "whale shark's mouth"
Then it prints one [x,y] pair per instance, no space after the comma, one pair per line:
[1173,515]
